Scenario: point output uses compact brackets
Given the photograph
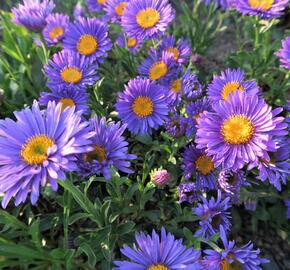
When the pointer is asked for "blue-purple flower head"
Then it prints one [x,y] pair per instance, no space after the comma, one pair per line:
[213,213]
[229,81]
[158,253]
[187,192]
[109,149]
[88,37]
[79,10]
[287,203]
[159,68]
[133,44]
[266,9]
[69,69]
[222,4]
[33,13]
[232,257]
[284,53]
[55,28]
[194,111]
[192,88]
[67,97]
[38,148]
[143,106]
[147,18]
[176,126]
[96,5]
[236,132]
[115,9]
[180,49]
[196,162]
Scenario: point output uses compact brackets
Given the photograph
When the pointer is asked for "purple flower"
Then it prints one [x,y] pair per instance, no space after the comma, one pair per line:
[181,49]
[214,214]
[160,177]
[55,28]
[33,13]
[38,148]
[287,203]
[231,257]
[266,9]
[250,205]
[194,111]
[158,253]
[237,132]
[147,18]
[230,81]
[222,4]
[187,192]
[159,68]
[69,69]
[284,53]
[115,9]
[79,10]
[196,161]
[109,149]
[88,37]
[143,106]
[67,97]
[176,126]
[192,88]
[133,44]
[96,5]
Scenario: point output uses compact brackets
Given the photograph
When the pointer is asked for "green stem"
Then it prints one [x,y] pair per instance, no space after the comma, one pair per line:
[66,213]
[257,32]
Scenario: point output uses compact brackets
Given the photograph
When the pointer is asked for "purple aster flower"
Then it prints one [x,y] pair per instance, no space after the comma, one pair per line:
[158,253]
[222,4]
[160,177]
[250,205]
[176,126]
[287,203]
[133,44]
[181,49]
[157,68]
[275,167]
[109,149]
[67,97]
[229,81]
[69,69]
[55,28]
[284,53]
[147,18]
[143,106]
[79,10]
[33,13]
[214,214]
[96,5]
[194,111]
[89,37]
[232,257]
[187,192]
[196,161]
[192,88]
[266,9]
[115,9]
[38,148]
[230,182]
[237,132]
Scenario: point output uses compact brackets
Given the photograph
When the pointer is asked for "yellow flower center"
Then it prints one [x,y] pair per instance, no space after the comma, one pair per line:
[34,151]
[175,52]
[238,129]
[157,71]
[204,164]
[225,265]
[87,45]
[148,18]
[119,9]
[71,75]
[66,102]
[131,42]
[101,2]
[158,267]
[176,86]
[230,88]
[56,32]
[142,106]
[99,153]
[261,4]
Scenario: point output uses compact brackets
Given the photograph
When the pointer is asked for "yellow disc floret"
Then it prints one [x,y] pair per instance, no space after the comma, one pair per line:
[158,267]
[56,32]
[99,153]
[157,71]
[87,45]
[147,18]
[71,75]
[132,42]
[142,106]
[174,51]
[34,151]
[101,2]
[238,129]
[119,9]
[66,102]
[261,4]
[230,88]
[204,164]
[176,86]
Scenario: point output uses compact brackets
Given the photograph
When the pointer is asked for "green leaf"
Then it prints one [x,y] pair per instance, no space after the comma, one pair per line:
[125,228]
[87,249]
